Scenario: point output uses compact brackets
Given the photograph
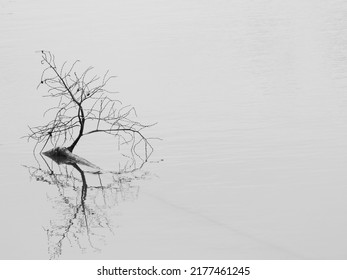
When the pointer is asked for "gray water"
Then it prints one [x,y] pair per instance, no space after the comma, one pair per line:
[251,103]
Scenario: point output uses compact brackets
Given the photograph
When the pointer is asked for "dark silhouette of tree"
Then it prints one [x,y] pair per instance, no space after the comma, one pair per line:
[84,107]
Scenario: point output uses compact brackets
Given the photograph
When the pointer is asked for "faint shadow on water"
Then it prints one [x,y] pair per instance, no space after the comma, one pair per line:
[83,201]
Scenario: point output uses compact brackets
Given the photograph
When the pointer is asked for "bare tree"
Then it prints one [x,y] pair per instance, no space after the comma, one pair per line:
[84,107]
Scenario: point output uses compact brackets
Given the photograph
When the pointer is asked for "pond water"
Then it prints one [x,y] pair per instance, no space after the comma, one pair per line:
[250,100]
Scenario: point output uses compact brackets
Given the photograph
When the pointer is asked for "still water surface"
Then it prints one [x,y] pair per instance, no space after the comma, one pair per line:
[251,103]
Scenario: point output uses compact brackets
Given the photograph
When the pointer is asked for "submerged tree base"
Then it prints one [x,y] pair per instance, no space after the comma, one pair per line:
[62,155]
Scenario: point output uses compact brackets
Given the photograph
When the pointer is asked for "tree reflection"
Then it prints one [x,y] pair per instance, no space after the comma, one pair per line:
[84,202]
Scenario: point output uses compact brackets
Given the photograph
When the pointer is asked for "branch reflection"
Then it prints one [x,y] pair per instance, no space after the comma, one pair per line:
[84,204]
